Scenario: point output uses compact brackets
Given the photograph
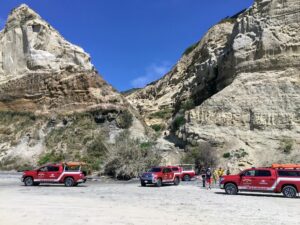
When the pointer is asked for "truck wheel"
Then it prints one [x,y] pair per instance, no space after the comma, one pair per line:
[143,184]
[186,177]
[289,192]
[176,181]
[159,182]
[28,181]
[231,189]
[69,182]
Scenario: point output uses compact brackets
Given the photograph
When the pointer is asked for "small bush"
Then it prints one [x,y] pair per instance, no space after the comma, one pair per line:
[50,157]
[162,114]
[178,122]
[287,145]
[24,168]
[125,120]
[203,155]
[226,155]
[96,153]
[157,127]
[188,105]
[190,49]
[243,154]
[228,20]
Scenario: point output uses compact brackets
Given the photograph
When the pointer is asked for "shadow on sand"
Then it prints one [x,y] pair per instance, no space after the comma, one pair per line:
[256,195]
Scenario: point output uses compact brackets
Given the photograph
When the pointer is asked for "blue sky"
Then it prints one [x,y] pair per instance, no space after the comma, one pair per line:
[131,42]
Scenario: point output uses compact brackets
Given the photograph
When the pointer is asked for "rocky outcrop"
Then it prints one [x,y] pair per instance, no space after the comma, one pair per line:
[53,103]
[41,72]
[244,85]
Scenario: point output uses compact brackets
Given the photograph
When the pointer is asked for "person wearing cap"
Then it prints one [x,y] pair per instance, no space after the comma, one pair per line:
[208,178]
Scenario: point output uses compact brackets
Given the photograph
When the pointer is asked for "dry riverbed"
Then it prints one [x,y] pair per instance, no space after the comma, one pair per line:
[108,202]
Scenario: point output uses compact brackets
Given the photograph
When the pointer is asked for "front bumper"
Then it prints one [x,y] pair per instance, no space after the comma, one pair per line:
[149,180]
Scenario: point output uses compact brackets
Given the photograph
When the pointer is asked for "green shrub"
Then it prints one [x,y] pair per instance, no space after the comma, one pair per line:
[129,157]
[125,120]
[203,155]
[50,157]
[96,153]
[178,122]
[190,49]
[228,20]
[162,114]
[157,127]
[226,155]
[243,154]
[287,145]
[188,105]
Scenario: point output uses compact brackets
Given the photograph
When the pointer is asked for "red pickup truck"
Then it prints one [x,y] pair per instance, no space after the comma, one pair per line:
[161,175]
[188,172]
[284,178]
[68,173]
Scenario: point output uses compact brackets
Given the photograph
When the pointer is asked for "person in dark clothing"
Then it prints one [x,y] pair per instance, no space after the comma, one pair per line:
[203,172]
[228,172]
[208,176]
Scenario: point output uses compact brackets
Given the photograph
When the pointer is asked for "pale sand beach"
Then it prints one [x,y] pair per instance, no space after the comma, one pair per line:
[109,202]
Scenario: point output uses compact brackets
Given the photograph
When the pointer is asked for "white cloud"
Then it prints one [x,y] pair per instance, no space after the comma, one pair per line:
[152,73]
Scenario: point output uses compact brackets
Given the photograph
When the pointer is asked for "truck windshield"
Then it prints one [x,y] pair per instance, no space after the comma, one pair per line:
[155,170]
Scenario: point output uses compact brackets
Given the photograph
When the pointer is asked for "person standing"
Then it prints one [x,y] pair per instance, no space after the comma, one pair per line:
[208,176]
[227,172]
[203,172]
[215,177]
[220,173]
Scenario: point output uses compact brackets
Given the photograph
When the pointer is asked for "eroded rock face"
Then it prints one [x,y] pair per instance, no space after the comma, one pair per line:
[52,100]
[41,72]
[191,76]
[247,97]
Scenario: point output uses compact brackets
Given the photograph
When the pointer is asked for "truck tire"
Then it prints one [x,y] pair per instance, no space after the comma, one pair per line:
[28,181]
[231,189]
[176,181]
[158,182]
[69,182]
[186,177]
[289,191]
[143,184]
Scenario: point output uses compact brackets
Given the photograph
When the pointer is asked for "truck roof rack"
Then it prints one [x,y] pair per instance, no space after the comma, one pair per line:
[286,166]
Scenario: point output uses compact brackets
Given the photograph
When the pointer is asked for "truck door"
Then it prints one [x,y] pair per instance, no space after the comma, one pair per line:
[263,180]
[53,173]
[42,174]
[247,179]
[167,174]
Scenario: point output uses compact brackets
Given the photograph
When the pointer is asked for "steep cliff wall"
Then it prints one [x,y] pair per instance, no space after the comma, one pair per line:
[244,95]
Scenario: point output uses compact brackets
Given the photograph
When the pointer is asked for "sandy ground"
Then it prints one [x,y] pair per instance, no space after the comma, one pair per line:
[127,203]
